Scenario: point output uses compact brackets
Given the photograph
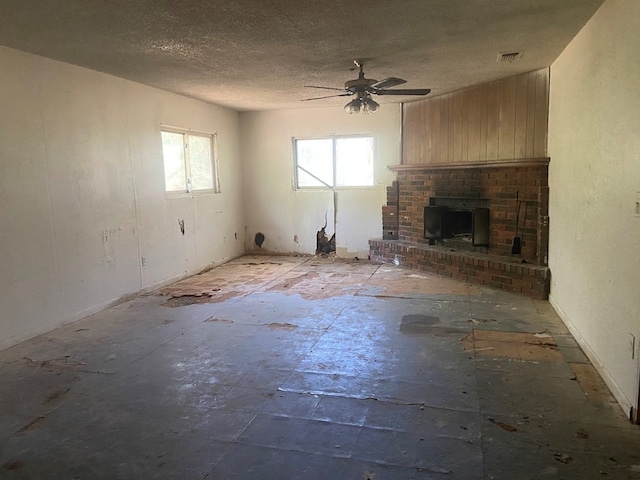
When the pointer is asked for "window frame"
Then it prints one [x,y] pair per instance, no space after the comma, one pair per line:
[186,132]
[333,139]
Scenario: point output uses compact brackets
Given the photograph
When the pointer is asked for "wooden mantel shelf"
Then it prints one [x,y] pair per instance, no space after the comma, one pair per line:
[519,162]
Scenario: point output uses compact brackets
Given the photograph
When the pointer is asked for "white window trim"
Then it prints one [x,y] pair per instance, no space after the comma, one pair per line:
[328,188]
[215,168]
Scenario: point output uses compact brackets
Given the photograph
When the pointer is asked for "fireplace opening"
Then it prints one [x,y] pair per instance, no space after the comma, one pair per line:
[457,222]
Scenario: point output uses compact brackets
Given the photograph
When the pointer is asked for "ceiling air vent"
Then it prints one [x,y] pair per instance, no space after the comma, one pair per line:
[509,56]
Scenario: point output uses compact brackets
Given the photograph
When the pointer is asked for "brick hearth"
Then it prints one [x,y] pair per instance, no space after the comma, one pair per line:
[472,267]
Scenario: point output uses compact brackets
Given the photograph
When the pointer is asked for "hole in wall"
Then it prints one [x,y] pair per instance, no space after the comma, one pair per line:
[259,239]
[324,244]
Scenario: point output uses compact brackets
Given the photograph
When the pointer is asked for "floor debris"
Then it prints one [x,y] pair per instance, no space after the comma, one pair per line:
[58,394]
[592,385]
[217,320]
[562,457]
[14,465]
[581,433]
[514,345]
[502,425]
[282,326]
[308,354]
[35,423]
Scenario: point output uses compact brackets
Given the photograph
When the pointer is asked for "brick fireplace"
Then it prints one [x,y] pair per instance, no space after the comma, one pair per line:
[459,220]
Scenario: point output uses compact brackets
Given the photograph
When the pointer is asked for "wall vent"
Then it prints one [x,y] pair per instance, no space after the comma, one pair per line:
[509,56]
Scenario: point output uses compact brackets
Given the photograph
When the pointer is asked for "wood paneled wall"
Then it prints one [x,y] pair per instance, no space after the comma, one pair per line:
[501,120]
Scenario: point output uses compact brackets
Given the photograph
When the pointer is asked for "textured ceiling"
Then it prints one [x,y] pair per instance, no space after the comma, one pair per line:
[259,54]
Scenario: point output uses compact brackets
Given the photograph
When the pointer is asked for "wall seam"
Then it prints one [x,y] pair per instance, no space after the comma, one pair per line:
[54,239]
[133,184]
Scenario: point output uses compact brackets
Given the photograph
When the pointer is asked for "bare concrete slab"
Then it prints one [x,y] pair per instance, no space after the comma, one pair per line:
[309,367]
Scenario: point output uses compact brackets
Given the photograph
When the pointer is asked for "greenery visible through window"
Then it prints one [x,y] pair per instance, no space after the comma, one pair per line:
[334,162]
[189,161]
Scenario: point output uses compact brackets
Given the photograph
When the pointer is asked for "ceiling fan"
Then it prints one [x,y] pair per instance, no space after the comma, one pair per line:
[364,87]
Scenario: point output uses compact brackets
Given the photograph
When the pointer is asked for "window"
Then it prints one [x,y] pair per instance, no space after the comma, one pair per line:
[334,162]
[190,163]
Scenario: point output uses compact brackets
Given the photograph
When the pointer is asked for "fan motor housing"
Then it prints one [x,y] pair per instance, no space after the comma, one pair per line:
[360,84]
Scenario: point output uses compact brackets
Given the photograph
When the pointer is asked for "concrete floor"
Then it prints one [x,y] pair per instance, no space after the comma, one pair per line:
[298,368]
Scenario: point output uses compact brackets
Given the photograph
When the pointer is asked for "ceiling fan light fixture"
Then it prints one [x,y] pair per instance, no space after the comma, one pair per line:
[363,87]
[370,105]
[354,105]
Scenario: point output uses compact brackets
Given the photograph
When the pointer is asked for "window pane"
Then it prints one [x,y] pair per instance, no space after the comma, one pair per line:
[315,162]
[175,176]
[354,162]
[200,162]
[306,180]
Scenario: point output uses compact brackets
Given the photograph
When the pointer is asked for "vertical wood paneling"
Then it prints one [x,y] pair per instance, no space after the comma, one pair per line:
[411,133]
[438,114]
[473,124]
[450,129]
[531,114]
[421,144]
[507,130]
[484,100]
[505,119]
[458,106]
[445,125]
[542,113]
[435,141]
[520,141]
[466,94]
[493,120]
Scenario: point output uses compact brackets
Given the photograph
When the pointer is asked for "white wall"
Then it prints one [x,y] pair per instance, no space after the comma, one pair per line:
[82,193]
[289,218]
[594,177]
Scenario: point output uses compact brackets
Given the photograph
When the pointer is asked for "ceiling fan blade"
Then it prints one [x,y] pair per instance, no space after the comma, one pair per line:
[389,82]
[328,96]
[325,88]
[406,91]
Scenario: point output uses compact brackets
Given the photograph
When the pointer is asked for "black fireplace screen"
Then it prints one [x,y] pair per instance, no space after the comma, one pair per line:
[470,225]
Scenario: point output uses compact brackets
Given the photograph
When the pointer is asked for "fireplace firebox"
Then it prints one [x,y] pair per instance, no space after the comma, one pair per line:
[460,220]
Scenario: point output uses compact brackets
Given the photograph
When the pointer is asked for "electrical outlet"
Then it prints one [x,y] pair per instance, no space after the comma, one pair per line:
[144,261]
